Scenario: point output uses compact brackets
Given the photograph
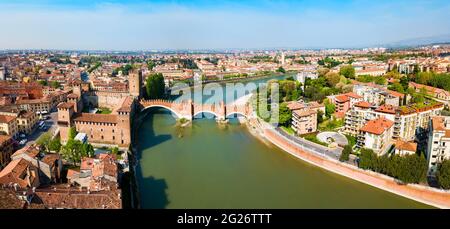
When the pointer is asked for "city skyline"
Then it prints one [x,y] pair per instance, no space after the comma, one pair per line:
[196,25]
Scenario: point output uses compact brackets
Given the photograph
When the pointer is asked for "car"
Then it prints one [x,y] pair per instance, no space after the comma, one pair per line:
[23,142]
[22,135]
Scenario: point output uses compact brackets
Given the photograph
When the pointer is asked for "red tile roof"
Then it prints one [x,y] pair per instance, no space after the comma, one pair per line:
[389,109]
[6,118]
[377,126]
[409,146]
[363,104]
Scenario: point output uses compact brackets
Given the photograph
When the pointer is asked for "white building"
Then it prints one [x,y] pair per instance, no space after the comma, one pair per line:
[438,142]
[376,135]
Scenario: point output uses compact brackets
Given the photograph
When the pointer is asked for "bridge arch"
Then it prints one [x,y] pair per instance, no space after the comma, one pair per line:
[207,112]
[165,107]
[236,113]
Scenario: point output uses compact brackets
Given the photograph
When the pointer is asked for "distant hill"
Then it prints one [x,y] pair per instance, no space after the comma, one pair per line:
[441,39]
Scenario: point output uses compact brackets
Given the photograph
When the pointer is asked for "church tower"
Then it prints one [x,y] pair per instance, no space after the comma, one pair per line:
[135,83]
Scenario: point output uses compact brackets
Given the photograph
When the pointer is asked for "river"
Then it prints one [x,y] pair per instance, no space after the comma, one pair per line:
[226,167]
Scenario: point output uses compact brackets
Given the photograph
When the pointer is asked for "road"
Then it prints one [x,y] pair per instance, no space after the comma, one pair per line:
[311,146]
[51,123]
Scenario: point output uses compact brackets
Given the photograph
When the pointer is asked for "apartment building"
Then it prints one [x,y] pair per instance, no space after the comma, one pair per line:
[376,135]
[304,121]
[410,122]
[26,121]
[378,95]
[8,125]
[344,102]
[438,142]
[6,150]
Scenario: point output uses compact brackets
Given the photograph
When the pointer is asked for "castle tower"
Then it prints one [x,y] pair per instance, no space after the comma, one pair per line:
[135,83]
[124,127]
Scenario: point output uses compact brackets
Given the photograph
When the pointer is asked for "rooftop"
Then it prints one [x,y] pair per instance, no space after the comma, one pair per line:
[377,126]
[97,118]
[408,146]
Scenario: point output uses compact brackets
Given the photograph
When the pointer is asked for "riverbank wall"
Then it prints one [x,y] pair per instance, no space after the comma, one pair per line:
[427,195]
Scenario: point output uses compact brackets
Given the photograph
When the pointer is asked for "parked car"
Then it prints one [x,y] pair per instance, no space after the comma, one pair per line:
[23,142]
[22,135]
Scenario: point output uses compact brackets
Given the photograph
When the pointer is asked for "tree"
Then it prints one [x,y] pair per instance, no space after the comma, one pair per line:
[281,69]
[367,159]
[345,155]
[418,98]
[87,150]
[443,174]
[55,84]
[380,80]
[319,116]
[43,82]
[348,71]
[322,71]
[397,87]
[285,115]
[55,145]
[150,64]
[329,108]
[155,86]
[44,141]
[115,150]
[72,133]
[74,150]
[332,79]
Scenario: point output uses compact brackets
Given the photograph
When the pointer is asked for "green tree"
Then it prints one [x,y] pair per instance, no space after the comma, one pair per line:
[75,150]
[43,82]
[44,141]
[418,98]
[396,87]
[285,115]
[380,80]
[72,151]
[319,116]
[55,84]
[72,133]
[443,174]
[55,145]
[345,155]
[87,150]
[348,71]
[155,86]
[281,69]
[367,159]
[332,79]
[329,108]
[150,64]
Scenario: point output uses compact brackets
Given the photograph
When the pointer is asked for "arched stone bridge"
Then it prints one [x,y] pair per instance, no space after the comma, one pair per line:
[189,109]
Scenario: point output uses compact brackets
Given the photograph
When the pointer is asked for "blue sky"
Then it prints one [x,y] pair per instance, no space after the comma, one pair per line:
[201,24]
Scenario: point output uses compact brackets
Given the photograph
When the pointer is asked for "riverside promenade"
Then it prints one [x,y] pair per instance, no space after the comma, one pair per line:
[431,196]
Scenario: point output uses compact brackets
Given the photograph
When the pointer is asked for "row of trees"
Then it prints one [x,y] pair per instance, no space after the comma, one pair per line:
[443,174]
[435,80]
[409,169]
